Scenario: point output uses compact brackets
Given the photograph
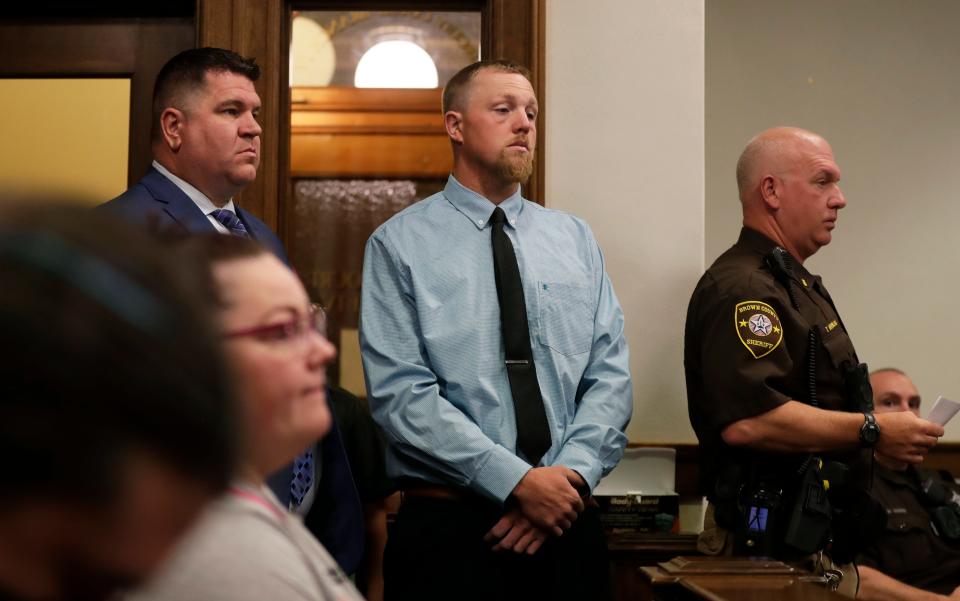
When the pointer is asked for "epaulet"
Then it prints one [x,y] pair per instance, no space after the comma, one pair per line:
[780,264]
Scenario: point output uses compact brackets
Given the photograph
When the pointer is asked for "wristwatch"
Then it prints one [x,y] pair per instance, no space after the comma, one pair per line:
[869,431]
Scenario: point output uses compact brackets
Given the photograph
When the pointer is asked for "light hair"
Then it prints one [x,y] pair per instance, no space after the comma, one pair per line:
[757,149]
[456,90]
[887,369]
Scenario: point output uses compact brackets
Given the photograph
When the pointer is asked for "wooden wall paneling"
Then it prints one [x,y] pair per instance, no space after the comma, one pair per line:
[347,132]
[284,183]
[511,30]
[944,456]
[156,44]
[258,29]
[215,23]
[134,48]
[363,156]
[515,30]
[366,99]
[539,66]
[345,122]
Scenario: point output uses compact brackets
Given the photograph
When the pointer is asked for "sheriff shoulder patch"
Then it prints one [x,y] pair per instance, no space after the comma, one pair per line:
[758,327]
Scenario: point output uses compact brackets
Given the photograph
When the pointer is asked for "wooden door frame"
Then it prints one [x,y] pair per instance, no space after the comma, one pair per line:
[259,29]
[513,29]
[132,47]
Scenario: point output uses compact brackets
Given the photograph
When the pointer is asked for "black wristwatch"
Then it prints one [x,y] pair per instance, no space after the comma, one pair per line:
[869,431]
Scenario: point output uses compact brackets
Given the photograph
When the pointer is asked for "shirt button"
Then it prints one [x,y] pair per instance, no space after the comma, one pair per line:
[479,221]
[513,222]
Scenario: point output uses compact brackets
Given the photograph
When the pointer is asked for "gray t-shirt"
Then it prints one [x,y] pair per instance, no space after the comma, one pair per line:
[247,548]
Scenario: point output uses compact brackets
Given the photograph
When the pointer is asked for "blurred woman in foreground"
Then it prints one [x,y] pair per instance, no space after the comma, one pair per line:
[117,424]
[248,546]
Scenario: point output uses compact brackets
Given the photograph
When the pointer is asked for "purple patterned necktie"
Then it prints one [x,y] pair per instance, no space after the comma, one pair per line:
[302,476]
[303,464]
[230,221]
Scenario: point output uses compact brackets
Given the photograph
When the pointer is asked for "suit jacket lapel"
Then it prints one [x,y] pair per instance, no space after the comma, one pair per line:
[176,204]
[248,223]
[262,234]
[189,216]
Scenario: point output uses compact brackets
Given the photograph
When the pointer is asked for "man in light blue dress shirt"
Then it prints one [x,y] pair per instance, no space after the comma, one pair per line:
[480,519]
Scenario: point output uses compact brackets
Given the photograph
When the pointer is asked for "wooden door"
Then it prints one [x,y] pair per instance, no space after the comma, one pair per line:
[50,39]
[328,256]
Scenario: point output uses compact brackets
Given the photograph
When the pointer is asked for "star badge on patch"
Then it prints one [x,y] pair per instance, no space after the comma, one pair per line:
[758,327]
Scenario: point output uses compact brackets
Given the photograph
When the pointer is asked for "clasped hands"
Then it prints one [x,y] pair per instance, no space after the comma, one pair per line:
[545,502]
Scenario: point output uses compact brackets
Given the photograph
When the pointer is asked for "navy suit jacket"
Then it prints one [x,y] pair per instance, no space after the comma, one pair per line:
[157,203]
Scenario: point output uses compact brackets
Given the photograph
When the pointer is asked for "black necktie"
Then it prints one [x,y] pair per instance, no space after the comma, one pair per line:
[533,432]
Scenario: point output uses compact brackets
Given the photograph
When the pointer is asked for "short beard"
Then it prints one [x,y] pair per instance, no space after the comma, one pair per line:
[516,169]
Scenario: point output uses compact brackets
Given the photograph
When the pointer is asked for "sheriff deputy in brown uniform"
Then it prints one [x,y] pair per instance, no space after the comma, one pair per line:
[918,555]
[779,401]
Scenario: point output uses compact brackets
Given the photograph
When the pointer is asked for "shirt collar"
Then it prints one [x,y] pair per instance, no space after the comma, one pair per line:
[477,208]
[199,198]
[759,243]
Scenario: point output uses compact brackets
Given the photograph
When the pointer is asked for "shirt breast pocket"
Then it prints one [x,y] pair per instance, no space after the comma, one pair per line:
[566,317]
[838,347]
[909,544]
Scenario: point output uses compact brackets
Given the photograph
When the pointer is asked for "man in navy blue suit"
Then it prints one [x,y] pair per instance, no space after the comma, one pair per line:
[206,149]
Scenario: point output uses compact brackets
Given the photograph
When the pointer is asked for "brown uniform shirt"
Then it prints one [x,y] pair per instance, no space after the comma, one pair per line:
[745,351]
[909,549]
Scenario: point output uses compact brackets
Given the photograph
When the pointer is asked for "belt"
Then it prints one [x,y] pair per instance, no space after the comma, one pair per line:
[449,493]
[435,492]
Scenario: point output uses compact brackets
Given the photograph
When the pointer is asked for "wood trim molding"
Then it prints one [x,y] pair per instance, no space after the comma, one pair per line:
[515,30]
[367,133]
[400,129]
[108,47]
[258,29]
[365,156]
[538,67]
[944,456]
[366,99]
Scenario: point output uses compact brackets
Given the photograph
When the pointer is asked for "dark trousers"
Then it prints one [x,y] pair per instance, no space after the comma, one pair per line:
[436,551]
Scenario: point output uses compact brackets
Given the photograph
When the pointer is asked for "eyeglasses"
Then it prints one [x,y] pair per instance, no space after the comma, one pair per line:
[294,329]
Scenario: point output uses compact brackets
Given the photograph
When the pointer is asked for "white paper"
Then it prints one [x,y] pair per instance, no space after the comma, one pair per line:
[943,410]
[642,471]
